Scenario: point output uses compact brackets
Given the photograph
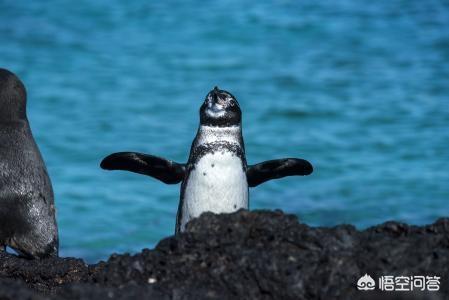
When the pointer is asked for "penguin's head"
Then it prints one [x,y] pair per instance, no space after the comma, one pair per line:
[12,97]
[220,109]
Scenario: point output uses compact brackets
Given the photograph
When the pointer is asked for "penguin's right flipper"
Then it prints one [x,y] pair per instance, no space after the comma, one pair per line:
[277,168]
[165,170]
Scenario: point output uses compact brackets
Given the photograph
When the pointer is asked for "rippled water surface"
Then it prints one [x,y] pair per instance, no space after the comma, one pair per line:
[359,89]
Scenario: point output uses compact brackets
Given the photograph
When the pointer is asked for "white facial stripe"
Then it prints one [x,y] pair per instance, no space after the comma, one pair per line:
[215,113]
[212,134]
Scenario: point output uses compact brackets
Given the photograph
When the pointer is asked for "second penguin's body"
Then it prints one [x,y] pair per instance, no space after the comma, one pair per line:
[27,209]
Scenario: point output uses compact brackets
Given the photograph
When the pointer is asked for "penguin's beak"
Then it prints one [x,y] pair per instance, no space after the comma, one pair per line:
[214,97]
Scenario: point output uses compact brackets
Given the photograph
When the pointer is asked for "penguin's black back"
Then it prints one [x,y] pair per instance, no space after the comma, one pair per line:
[27,213]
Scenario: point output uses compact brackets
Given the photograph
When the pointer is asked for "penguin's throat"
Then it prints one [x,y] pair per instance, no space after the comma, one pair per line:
[214,134]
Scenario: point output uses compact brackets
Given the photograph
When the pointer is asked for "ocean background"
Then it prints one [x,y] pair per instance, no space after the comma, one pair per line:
[360,89]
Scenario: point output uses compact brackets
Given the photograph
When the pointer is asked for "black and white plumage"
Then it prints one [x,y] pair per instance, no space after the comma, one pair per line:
[27,211]
[216,177]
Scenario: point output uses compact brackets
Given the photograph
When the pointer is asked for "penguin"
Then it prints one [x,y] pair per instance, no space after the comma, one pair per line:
[27,210]
[216,177]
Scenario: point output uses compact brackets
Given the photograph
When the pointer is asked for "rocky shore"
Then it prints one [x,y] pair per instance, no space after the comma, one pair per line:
[245,255]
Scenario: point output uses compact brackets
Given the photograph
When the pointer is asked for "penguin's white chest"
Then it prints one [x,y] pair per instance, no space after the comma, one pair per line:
[217,184]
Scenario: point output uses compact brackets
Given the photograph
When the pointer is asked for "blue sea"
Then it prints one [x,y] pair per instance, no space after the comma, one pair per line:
[359,88]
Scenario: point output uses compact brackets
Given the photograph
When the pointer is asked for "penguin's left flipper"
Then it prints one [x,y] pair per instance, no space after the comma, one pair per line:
[277,168]
[160,168]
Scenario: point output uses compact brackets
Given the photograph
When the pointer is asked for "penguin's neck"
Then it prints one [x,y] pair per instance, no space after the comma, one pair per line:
[215,134]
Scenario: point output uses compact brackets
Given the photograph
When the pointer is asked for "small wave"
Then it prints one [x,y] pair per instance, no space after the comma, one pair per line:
[300,113]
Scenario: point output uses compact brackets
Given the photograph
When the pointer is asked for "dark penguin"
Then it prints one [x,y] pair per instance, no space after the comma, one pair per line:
[216,177]
[27,212]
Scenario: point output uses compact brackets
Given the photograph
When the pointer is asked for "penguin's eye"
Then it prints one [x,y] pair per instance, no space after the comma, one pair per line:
[234,103]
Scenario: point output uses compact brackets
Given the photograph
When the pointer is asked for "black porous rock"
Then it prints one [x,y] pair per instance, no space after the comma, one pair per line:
[245,255]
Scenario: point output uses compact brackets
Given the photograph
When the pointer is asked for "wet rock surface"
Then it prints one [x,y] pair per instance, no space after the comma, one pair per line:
[245,255]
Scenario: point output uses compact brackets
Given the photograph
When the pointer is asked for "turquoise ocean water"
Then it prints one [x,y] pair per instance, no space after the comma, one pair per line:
[361,89]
